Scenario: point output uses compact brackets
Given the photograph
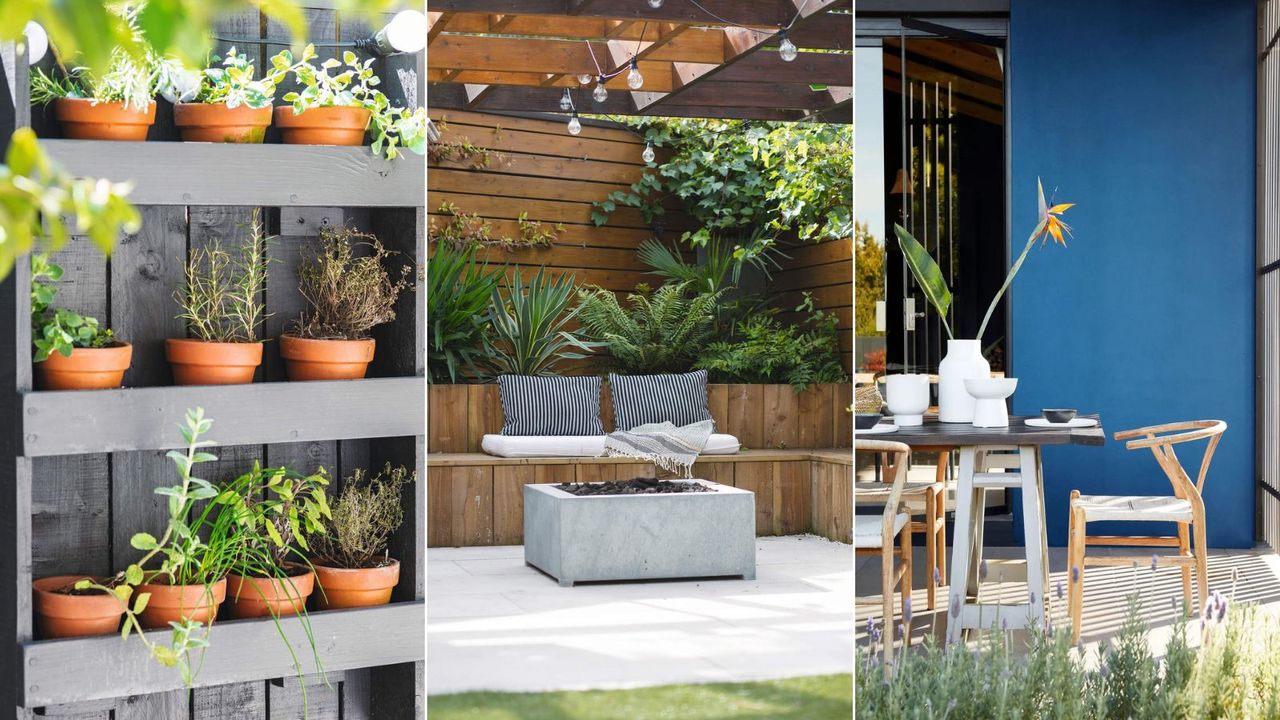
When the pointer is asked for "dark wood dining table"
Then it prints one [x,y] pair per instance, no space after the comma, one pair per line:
[1016,452]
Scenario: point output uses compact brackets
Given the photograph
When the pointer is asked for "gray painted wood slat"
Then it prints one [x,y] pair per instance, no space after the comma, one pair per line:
[171,173]
[62,671]
[69,495]
[257,413]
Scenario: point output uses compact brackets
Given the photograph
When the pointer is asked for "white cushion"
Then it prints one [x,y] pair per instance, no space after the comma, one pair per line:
[535,446]
[867,529]
[1133,507]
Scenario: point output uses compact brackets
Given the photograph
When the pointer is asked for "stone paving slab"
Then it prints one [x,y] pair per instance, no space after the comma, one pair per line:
[495,624]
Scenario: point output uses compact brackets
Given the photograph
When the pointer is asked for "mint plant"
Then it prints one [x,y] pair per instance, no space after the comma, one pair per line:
[58,329]
[392,127]
[227,81]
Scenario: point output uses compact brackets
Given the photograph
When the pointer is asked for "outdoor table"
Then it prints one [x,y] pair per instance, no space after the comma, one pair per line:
[1016,448]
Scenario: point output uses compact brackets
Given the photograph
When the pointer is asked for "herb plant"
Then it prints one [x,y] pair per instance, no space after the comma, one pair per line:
[222,296]
[196,548]
[276,510]
[661,332]
[767,351]
[57,329]
[392,127]
[129,77]
[530,326]
[227,81]
[459,291]
[349,294]
[365,514]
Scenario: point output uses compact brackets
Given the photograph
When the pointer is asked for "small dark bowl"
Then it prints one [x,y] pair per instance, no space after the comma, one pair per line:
[866,421]
[1058,415]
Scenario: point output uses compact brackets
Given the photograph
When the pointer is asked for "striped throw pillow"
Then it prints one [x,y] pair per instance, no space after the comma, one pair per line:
[550,405]
[677,399]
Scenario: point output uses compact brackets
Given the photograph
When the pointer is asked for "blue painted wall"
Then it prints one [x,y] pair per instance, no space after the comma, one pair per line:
[1142,113]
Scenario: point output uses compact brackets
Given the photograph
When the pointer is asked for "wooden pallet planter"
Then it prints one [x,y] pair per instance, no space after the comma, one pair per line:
[78,469]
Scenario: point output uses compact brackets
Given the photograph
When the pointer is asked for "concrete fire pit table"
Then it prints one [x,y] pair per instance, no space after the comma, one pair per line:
[640,537]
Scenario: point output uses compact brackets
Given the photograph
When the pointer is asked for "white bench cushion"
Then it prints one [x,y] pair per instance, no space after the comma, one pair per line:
[866,529]
[1133,507]
[531,446]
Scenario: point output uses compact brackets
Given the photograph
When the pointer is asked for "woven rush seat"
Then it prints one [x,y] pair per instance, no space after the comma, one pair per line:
[1133,507]
[866,529]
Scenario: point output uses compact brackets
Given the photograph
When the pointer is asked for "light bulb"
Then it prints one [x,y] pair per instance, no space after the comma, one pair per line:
[600,93]
[566,102]
[406,33]
[634,78]
[583,79]
[37,41]
[575,126]
[648,153]
[787,49]
[655,4]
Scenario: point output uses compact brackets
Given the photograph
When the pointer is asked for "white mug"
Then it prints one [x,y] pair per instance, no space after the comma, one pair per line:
[907,398]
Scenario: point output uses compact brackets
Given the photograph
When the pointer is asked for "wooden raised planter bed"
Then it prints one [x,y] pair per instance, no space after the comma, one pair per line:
[78,468]
[802,477]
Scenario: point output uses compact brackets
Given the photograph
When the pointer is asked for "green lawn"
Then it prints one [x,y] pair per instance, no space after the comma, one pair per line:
[824,697]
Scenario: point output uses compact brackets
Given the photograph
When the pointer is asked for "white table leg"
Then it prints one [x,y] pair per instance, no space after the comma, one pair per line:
[961,542]
[1033,535]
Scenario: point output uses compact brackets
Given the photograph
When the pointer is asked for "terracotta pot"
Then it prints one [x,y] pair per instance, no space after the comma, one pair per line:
[323,126]
[306,359]
[59,615]
[355,587]
[204,122]
[260,597]
[86,120]
[86,369]
[196,362]
[181,602]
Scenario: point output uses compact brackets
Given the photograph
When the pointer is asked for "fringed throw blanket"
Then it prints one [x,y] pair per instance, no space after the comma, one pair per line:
[669,447]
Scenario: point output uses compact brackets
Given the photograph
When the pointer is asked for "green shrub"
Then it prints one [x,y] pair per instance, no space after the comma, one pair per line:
[659,332]
[1233,674]
[459,291]
[529,327]
[767,351]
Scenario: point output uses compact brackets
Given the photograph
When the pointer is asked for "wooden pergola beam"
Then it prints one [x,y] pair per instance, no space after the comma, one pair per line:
[525,99]
[807,68]
[436,23]
[767,13]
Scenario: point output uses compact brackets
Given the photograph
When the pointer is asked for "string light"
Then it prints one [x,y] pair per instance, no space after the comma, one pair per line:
[787,49]
[584,78]
[648,153]
[634,79]
[600,94]
[575,125]
[37,41]
[655,4]
[566,102]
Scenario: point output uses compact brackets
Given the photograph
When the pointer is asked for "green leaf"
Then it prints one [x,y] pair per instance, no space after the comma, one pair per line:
[140,602]
[926,272]
[143,541]
[133,575]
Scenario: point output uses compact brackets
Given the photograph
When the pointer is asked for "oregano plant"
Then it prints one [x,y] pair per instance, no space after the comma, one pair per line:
[58,329]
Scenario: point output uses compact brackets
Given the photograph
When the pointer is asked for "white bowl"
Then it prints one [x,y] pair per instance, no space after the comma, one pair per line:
[990,388]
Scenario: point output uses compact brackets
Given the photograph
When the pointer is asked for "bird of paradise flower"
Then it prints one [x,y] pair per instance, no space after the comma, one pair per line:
[929,276]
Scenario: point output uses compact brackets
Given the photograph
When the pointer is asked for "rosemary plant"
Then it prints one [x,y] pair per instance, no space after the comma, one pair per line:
[222,297]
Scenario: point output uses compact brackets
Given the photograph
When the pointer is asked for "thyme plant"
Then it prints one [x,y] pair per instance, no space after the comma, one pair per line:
[365,514]
[221,299]
[349,294]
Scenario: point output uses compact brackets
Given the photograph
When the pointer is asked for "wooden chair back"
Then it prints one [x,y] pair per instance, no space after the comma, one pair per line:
[893,503]
[1161,439]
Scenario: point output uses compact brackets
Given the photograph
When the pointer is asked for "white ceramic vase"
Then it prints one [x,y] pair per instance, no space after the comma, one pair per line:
[963,361]
[908,398]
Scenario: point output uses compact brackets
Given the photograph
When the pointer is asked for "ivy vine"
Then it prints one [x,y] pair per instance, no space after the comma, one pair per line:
[467,230]
[749,180]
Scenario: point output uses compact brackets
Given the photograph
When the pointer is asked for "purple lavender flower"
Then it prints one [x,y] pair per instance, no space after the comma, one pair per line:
[1080,646]
[937,577]
[955,605]
[982,570]
[906,610]
[1058,589]
[1222,608]
[1075,573]
[1154,561]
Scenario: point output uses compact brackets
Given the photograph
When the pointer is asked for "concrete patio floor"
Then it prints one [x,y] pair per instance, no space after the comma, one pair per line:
[1256,574]
[494,623]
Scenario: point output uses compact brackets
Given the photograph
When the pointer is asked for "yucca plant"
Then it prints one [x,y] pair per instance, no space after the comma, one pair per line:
[660,332]
[458,295]
[529,326]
